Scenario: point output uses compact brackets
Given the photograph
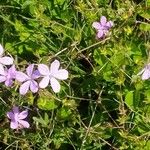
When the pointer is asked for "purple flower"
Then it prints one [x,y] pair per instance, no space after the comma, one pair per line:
[17,117]
[4,60]
[8,75]
[145,72]
[51,75]
[28,80]
[102,27]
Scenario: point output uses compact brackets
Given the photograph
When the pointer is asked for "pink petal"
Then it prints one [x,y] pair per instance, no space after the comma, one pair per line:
[36,74]
[54,66]
[10,115]
[21,77]
[1,50]
[100,34]
[15,110]
[33,86]
[12,71]
[9,82]
[146,74]
[24,124]
[96,25]
[55,85]
[2,79]
[23,114]
[103,20]
[29,70]
[2,71]
[62,74]
[14,124]
[109,24]
[24,88]
[43,69]
[44,82]
[6,60]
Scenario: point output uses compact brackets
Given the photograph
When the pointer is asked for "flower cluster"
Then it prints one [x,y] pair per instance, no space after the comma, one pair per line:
[102,27]
[29,80]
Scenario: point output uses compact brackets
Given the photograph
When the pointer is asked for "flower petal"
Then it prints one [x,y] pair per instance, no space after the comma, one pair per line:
[14,124]
[96,25]
[146,74]
[15,110]
[21,77]
[1,50]
[103,20]
[23,114]
[2,79]
[10,115]
[2,71]
[43,69]
[55,85]
[62,74]
[12,71]
[100,34]
[36,74]
[6,60]
[44,82]
[109,24]
[29,70]
[33,86]
[54,66]
[24,124]
[9,82]
[24,87]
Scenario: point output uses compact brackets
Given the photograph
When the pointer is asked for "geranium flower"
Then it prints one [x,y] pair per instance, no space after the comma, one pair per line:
[4,60]
[28,80]
[145,72]
[8,75]
[17,117]
[102,27]
[50,75]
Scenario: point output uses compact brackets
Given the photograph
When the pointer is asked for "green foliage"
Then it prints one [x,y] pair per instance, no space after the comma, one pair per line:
[104,104]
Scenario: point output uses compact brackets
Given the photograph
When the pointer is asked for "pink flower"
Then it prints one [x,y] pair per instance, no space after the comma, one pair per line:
[50,75]
[102,27]
[145,72]
[28,80]
[8,75]
[17,117]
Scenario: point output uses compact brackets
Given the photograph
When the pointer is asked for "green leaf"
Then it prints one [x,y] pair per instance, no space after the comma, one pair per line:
[46,104]
[129,99]
[64,113]
[145,27]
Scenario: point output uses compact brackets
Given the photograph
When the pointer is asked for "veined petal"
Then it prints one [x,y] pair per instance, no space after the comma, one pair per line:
[15,110]
[14,124]
[103,20]
[10,115]
[44,82]
[146,74]
[96,25]
[6,60]
[24,124]
[109,24]
[23,114]
[33,86]
[43,69]
[1,50]
[55,85]
[2,71]
[2,79]
[21,77]
[12,71]
[24,87]
[100,34]
[54,66]
[29,70]
[36,74]
[62,74]
[8,82]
